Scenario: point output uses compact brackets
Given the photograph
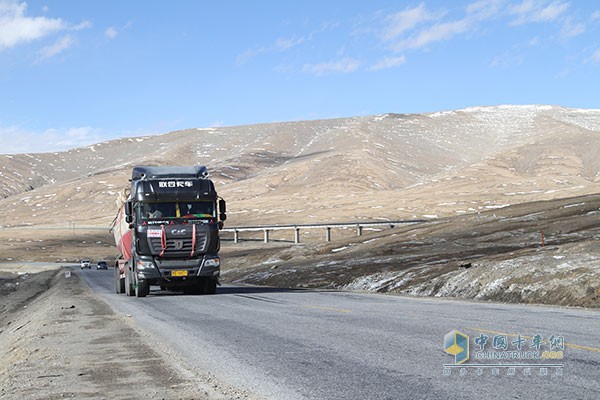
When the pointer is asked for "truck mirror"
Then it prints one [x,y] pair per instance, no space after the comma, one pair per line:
[222,206]
[222,216]
[128,219]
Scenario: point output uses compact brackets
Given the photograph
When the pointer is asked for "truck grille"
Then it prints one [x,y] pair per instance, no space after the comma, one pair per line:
[179,246]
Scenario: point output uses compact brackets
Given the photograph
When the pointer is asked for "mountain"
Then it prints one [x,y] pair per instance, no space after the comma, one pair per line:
[374,167]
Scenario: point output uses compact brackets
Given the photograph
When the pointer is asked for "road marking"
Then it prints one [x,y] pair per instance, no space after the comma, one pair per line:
[567,344]
[340,310]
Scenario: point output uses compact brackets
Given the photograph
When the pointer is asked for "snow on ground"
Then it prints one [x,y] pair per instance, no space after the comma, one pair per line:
[545,277]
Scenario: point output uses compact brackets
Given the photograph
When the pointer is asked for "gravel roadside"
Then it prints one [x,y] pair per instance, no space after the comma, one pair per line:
[58,340]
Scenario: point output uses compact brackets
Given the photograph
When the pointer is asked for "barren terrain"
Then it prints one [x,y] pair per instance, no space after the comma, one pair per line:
[392,166]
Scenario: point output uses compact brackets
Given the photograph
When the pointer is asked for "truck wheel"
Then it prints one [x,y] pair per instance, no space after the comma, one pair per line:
[142,289]
[119,283]
[129,291]
[209,286]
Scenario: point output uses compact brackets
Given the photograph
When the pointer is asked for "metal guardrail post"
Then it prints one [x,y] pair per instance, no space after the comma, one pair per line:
[344,225]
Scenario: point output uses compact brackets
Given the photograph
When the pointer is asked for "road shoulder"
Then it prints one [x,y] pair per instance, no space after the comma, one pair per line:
[61,340]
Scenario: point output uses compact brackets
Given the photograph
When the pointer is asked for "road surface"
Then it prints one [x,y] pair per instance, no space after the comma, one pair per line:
[311,344]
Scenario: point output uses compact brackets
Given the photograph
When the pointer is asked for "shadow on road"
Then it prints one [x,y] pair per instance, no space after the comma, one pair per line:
[256,290]
[235,290]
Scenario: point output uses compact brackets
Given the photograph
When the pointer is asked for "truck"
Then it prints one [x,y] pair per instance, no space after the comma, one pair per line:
[167,232]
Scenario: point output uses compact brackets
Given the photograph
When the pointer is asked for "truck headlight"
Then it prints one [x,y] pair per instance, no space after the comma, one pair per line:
[144,265]
[212,262]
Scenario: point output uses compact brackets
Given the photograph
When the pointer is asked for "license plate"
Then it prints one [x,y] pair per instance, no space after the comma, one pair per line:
[179,272]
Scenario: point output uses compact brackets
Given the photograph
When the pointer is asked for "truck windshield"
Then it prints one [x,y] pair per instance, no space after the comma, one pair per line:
[181,209]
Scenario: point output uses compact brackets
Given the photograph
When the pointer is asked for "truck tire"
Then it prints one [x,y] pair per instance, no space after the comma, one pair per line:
[142,289]
[209,286]
[119,283]
[129,291]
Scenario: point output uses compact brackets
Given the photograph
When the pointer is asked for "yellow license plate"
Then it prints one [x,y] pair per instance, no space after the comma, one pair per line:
[179,272]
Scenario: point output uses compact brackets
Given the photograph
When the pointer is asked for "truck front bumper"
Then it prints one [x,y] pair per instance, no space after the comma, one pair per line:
[149,269]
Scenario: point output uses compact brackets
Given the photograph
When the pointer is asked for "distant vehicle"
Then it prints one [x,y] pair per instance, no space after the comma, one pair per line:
[102,265]
[86,264]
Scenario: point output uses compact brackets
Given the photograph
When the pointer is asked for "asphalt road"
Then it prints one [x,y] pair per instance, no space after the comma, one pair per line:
[310,344]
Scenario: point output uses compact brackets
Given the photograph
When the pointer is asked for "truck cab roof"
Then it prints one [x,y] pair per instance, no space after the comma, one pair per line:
[152,172]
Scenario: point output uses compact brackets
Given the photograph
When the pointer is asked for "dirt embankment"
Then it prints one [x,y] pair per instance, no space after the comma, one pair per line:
[58,340]
[543,252]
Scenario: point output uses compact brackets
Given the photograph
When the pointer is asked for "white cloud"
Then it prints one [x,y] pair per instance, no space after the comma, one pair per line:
[435,33]
[404,29]
[406,20]
[16,28]
[537,11]
[111,32]
[571,29]
[13,140]
[552,11]
[388,62]
[596,15]
[534,41]
[248,55]
[508,59]
[16,140]
[596,57]
[57,47]
[81,26]
[418,27]
[281,44]
[345,65]
[484,9]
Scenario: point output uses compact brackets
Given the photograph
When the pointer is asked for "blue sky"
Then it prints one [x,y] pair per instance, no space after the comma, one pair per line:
[74,73]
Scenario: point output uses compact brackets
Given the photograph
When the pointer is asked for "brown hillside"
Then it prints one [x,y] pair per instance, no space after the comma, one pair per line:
[386,166]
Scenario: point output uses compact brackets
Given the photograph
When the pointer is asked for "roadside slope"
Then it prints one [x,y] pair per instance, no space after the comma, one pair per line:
[66,342]
[541,252]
